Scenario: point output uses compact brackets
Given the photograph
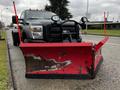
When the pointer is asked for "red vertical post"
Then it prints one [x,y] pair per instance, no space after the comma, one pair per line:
[105,23]
[15,11]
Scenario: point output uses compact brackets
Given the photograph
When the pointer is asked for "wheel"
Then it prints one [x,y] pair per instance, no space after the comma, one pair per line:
[15,37]
[15,43]
[24,37]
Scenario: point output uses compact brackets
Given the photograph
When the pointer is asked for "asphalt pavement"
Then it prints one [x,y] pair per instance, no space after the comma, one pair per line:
[108,77]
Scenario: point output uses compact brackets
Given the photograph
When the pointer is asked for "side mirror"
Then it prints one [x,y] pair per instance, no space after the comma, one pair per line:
[84,19]
[14,19]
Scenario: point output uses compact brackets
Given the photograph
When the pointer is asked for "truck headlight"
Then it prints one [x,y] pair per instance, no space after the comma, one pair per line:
[37,32]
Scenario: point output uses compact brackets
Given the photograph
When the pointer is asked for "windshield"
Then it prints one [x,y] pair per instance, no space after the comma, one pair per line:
[36,14]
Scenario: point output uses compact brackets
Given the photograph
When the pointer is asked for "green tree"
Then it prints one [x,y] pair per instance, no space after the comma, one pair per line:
[60,8]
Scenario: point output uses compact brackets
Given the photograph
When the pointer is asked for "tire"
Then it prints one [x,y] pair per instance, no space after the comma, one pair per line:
[15,37]
[24,37]
[15,44]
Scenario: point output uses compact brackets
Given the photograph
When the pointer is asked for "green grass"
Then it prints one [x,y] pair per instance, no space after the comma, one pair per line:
[101,32]
[3,65]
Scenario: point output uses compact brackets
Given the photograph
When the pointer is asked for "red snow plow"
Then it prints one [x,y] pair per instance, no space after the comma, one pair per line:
[62,60]
[54,57]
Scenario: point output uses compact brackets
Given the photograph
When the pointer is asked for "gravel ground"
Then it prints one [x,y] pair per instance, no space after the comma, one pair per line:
[108,77]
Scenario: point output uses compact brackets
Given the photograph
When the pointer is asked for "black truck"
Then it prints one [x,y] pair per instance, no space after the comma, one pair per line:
[39,26]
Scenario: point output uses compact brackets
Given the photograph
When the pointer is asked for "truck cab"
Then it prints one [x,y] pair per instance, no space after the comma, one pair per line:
[43,26]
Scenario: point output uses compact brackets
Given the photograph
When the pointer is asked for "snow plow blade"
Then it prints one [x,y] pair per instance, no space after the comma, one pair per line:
[62,60]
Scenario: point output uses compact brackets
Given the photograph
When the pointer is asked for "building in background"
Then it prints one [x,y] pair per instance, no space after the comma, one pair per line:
[110,25]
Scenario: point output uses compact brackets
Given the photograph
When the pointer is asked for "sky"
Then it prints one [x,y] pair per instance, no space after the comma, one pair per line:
[78,8]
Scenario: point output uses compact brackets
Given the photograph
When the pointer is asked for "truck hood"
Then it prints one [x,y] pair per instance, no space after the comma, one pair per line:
[46,22]
[39,22]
